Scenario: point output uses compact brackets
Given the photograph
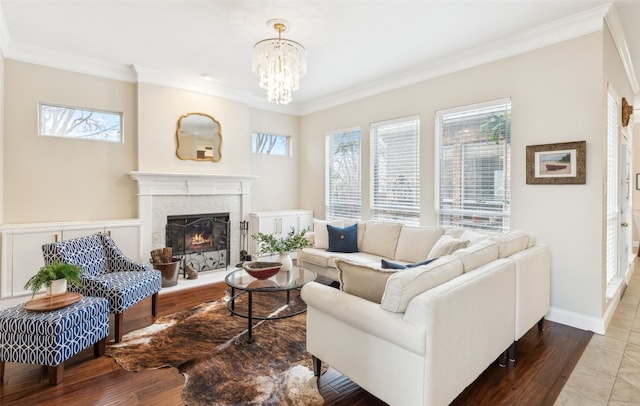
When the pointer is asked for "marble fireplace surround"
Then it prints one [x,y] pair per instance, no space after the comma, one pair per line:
[164,194]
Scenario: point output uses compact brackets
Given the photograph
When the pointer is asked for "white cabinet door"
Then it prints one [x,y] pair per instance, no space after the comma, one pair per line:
[127,238]
[70,233]
[26,258]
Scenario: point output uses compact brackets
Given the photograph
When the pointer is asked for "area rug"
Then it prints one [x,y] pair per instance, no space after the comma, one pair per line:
[210,348]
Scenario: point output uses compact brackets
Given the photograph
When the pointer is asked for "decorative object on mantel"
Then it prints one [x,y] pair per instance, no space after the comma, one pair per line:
[562,163]
[162,259]
[270,244]
[627,111]
[279,63]
[55,277]
[191,273]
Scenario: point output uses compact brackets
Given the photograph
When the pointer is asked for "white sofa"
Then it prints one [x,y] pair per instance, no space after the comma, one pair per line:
[419,336]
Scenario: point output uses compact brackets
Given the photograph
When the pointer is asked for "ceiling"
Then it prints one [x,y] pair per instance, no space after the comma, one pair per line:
[354,48]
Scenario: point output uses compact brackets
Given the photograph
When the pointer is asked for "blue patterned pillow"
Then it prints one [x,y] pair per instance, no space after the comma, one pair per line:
[343,239]
[384,264]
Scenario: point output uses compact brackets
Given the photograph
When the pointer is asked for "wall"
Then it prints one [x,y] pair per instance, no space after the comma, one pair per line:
[556,95]
[278,182]
[2,98]
[56,179]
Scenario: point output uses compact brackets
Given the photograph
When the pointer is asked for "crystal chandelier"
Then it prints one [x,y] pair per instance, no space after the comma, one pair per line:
[279,63]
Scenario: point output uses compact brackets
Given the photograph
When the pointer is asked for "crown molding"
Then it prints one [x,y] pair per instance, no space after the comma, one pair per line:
[615,27]
[564,29]
[561,30]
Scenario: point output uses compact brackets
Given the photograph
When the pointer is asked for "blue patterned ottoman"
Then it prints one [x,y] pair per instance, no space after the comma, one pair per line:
[50,338]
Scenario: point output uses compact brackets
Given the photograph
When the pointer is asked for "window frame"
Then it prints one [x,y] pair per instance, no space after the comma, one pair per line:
[67,135]
[328,184]
[504,215]
[287,138]
[407,213]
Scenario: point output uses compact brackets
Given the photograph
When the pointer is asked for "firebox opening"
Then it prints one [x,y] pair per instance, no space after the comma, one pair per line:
[201,240]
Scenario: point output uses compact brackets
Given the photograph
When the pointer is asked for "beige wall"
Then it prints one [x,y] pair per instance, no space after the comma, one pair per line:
[278,182]
[2,98]
[159,109]
[556,95]
[55,179]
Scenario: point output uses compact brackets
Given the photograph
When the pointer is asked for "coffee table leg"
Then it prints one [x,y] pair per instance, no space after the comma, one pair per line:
[249,313]
[288,296]
[233,300]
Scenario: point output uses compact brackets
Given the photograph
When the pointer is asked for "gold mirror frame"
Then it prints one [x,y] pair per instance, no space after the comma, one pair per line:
[199,138]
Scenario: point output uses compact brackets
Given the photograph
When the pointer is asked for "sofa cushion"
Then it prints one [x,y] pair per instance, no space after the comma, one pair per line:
[473,236]
[365,281]
[316,256]
[320,233]
[415,243]
[404,285]
[381,238]
[447,245]
[384,264]
[477,254]
[343,239]
[357,257]
[511,242]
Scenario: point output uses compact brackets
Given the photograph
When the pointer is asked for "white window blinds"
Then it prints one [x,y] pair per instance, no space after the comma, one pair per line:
[612,187]
[343,196]
[395,170]
[473,158]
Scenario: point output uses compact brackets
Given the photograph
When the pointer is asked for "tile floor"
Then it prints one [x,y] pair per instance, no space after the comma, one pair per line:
[608,372]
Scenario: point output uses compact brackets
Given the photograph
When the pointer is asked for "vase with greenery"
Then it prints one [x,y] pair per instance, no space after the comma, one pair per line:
[270,244]
[55,271]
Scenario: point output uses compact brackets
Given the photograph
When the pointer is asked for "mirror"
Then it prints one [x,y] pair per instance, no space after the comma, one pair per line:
[199,137]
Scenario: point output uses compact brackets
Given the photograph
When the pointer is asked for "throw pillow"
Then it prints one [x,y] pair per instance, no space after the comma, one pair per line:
[320,235]
[384,264]
[343,239]
[362,280]
[447,245]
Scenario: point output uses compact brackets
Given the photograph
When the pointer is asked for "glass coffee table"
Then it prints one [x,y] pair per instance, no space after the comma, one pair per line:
[239,279]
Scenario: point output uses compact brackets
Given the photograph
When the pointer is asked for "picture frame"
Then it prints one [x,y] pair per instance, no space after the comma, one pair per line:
[637,181]
[557,164]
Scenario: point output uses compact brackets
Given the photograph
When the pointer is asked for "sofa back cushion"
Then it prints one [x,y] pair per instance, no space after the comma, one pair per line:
[511,242]
[362,227]
[381,238]
[477,254]
[415,243]
[320,233]
[446,245]
[365,281]
[404,285]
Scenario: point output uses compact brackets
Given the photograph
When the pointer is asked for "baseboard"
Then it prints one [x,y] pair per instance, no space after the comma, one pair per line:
[577,320]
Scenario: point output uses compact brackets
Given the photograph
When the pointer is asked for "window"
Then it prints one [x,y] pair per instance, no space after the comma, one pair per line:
[72,122]
[613,115]
[343,188]
[473,166]
[395,170]
[270,144]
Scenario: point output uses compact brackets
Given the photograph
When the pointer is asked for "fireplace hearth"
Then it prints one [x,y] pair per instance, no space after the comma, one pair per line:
[201,240]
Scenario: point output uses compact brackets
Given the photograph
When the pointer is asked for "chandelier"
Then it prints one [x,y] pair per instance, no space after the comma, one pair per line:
[279,63]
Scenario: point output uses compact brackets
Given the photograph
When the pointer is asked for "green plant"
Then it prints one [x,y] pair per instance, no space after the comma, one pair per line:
[269,244]
[52,272]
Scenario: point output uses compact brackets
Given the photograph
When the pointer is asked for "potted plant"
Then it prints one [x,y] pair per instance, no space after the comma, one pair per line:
[270,244]
[55,277]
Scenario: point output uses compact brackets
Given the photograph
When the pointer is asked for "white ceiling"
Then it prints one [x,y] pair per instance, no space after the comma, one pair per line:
[354,48]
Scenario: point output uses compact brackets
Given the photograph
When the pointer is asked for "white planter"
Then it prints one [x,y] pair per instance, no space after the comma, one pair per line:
[57,287]
[286,261]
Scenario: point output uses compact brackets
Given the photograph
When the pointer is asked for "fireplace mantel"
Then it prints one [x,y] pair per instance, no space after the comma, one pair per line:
[159,190]
[166,183]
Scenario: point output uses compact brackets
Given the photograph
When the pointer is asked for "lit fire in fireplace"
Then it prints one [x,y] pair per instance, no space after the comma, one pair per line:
[198,241]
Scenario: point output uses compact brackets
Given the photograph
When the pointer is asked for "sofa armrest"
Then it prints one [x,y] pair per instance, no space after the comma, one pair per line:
[469,322]
[365,316]
[533,286]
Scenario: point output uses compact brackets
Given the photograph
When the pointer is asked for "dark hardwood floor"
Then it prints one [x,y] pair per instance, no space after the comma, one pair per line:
[544,362]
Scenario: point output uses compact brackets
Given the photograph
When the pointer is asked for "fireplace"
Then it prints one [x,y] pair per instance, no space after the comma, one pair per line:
[201,240]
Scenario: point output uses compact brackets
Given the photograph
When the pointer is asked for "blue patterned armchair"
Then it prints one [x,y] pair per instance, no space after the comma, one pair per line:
[108,273]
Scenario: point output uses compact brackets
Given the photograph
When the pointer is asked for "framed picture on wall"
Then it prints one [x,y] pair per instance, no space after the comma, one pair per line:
[562,163]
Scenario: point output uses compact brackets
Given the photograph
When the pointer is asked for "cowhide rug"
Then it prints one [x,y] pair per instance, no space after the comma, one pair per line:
[209,347]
